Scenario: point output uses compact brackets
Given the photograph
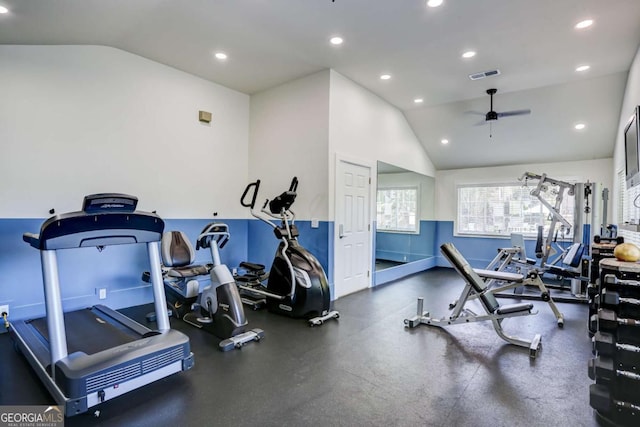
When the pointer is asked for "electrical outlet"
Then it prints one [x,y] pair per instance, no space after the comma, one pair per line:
[4,309]
[102,293]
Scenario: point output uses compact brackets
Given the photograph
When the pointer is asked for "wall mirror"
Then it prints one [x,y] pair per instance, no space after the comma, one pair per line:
[405,226]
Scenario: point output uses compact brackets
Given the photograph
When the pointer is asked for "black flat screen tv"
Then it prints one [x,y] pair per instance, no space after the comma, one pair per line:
[631,149]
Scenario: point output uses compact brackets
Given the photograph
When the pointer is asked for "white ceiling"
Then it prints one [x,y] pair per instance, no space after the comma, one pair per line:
[269,42]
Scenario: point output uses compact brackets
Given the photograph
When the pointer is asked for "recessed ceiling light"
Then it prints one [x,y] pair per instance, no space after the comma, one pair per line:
[418,100]
[444,141]
[584,24]
[434,3]
[336,40]
[583,68]
[4,9]
[580,126]
[469,54]
[221,56]
[385,76]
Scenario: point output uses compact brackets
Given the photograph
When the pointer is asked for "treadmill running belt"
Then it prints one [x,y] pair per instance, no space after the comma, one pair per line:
[86,333]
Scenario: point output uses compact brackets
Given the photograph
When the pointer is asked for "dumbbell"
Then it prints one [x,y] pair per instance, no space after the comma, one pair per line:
[600,399]
[623,305]
[598,239]
[604,369]
[606,345]
[611,279]
[609,297]
[608,321]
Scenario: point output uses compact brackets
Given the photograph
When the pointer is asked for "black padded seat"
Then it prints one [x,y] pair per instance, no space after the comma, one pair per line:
[562,272]
[189,271]
[500,275]
[470,276]
[514,308]
[251,266]
[178,257]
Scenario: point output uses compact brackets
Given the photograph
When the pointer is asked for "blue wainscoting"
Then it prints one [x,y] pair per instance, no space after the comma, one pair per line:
[479,251]
[415,251]
[118,269]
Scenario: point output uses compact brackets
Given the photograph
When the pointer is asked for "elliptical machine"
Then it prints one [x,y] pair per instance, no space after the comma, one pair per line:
[218,309]
[297,285]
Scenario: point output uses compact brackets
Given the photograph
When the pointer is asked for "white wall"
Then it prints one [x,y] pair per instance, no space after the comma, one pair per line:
[598,171]
[83,119]
[364,126]
[631,99]
[289,134]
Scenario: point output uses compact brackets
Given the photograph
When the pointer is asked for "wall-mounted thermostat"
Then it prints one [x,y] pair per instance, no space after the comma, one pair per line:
[204,116]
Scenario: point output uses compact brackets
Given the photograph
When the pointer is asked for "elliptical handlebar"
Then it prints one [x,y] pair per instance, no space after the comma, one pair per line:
[214,231]
[294,184]
[285,214]
[256,186]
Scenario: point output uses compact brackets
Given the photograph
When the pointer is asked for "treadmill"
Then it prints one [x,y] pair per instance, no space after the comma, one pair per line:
[89,356]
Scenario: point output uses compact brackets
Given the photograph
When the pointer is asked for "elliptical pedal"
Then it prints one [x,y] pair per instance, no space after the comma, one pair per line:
[240,340]
[319,320]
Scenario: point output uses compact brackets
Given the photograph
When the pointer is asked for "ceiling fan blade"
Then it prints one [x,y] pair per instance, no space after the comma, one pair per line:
[481,123]
[477,113]
[514,113]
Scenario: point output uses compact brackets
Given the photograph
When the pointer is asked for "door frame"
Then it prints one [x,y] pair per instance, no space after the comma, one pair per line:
[372,166]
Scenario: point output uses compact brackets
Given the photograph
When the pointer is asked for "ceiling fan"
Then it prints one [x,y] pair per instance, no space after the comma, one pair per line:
[492,115]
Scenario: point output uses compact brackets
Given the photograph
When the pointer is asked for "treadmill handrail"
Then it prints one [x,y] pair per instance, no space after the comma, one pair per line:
[79,229]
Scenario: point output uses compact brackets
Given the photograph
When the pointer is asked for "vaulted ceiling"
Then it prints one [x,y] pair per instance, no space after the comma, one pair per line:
[534,44]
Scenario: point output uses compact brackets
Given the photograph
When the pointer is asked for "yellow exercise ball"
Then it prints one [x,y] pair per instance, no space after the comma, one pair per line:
[627,252]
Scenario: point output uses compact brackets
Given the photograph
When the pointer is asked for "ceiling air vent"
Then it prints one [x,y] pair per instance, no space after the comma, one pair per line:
[484,74]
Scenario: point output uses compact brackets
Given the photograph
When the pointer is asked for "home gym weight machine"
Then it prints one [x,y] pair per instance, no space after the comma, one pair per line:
[586,213]
[297,285]
[89,356]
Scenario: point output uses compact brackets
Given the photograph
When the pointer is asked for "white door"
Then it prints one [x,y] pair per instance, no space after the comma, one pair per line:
[353,228]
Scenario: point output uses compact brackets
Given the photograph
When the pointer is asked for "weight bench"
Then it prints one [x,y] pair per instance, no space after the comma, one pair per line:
[476,288]
[506,281]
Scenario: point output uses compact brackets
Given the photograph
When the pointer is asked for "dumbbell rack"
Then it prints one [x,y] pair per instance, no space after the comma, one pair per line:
[615,326]
[599,251]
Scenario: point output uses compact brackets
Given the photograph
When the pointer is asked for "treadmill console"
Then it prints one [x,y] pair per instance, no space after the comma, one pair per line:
[109,202]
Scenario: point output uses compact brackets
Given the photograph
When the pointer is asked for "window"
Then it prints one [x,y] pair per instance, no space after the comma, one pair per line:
[502,209]
[397,210]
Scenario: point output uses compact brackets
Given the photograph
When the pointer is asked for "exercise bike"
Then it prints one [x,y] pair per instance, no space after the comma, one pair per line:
[218,308]
[297,285]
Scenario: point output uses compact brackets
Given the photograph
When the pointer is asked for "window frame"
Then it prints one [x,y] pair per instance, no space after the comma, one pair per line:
[507,233]
[417,189]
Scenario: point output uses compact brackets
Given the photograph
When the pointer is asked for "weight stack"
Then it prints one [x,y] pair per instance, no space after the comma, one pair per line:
[615,327]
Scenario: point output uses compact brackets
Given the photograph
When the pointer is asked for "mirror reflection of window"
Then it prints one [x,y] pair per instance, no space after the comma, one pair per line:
[397,209]
[405,226]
